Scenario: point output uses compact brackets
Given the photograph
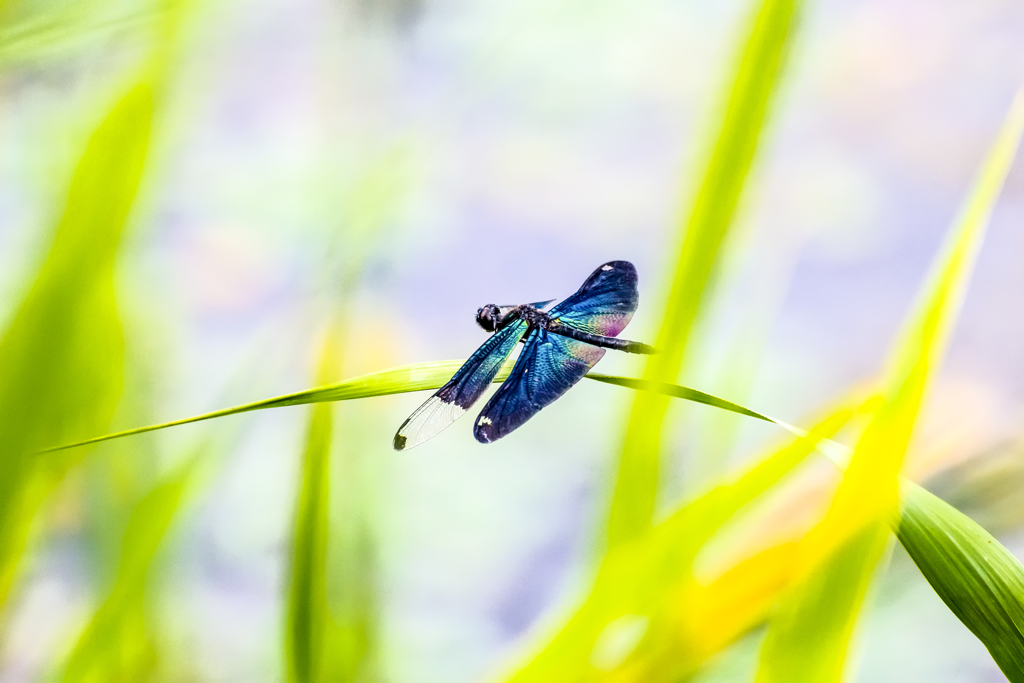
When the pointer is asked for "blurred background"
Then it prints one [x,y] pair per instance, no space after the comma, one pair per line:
[362,175]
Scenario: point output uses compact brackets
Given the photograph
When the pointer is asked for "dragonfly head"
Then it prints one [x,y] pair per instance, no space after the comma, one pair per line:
[488,317]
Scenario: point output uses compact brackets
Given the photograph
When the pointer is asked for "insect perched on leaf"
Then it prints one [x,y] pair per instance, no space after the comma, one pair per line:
[561,345]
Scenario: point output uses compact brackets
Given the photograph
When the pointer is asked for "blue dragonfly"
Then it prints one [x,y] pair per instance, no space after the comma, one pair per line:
[560,347]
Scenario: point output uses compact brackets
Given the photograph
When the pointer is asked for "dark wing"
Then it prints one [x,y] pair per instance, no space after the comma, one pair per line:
[462,391]
[605,302]
[548,366]
[550,363]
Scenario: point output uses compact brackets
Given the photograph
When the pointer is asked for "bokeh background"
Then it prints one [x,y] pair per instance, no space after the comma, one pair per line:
[385,168]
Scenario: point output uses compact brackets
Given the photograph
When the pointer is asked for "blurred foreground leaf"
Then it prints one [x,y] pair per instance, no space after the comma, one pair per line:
[61,357]
[116,645]
[750,93]
[632,626]
[352,640]
[308,616]
[809,636]
[32,30]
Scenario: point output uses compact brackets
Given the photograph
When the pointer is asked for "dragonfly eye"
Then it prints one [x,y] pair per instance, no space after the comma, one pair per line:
[488,317]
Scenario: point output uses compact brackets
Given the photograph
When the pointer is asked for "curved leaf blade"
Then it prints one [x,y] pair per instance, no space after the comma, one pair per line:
[980,581]
[416,377]
[809,636]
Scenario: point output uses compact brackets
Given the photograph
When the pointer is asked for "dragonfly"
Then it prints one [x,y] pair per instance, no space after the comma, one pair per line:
[559,347]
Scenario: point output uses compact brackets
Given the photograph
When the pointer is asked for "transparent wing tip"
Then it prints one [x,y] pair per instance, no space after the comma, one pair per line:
[428,420]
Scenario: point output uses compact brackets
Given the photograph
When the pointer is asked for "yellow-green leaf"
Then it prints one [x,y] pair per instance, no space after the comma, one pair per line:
[751,91]
[61,357]
[416,377]
[809,636]
[308,617]
[648,577]
[115,645]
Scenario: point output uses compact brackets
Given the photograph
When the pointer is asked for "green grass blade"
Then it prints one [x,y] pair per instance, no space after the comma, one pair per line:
[678,391]
[400,380]
[61,357]
[980,581]
[308,617]
[115,645]
[755,82]
[407,378]
[353,652]
[809,637]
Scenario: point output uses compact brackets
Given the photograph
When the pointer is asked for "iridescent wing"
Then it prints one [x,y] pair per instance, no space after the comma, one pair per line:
[548,366]
[605,303]
[462,391]
[550,363]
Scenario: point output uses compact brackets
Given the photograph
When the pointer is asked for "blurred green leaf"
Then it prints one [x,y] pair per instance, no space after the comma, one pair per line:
[354,570]
[33,30]
[116,645]
[752,89]
[646,579]
[980,581]
[61,357]
[308,617]
[808,637]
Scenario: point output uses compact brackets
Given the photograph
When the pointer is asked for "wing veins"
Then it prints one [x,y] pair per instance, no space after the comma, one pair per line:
[465,387]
